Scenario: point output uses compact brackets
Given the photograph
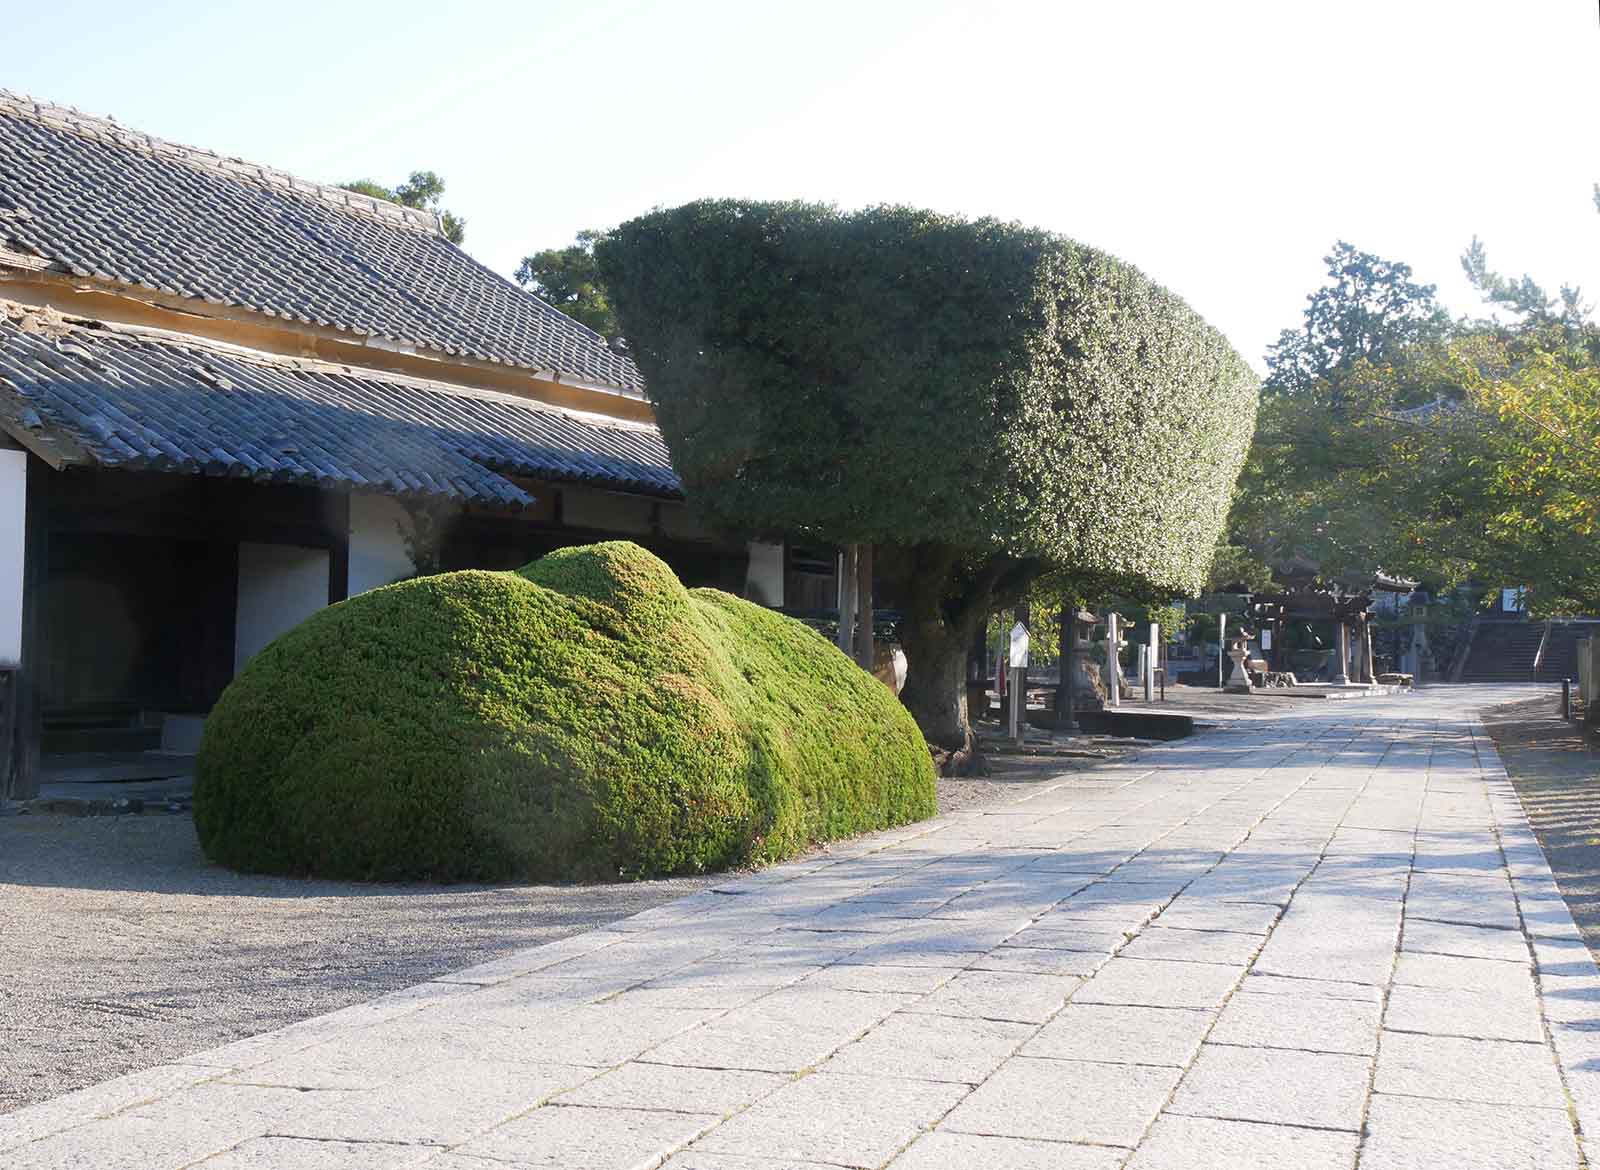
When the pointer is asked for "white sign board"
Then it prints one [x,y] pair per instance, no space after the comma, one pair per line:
[1019,645]
[1266,639]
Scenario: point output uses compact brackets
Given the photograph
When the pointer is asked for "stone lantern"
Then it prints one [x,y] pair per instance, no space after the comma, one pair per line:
[1076,630]
[1239,681]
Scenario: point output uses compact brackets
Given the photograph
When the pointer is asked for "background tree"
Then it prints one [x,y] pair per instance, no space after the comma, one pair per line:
[569,279]
[1233,564]
[980,401]
[1446,454]
[1369,311]
[1537,410]
[422,190]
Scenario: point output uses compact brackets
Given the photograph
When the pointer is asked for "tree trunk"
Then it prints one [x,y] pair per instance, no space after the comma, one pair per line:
[936,691]
[946,603]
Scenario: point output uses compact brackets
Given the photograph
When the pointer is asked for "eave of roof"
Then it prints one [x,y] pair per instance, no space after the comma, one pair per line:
[144,399]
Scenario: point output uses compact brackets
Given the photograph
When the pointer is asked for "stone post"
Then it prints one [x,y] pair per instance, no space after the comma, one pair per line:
[1113,661]
[1152,659]
[1343,677]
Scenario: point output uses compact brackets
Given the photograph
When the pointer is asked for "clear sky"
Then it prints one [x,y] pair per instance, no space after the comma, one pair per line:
[1222,146]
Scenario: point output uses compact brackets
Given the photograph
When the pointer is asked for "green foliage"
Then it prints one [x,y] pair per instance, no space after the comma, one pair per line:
[585,717]
[1523,298]
[981,400]
[1466,455]
[1234,565]
[899,377]
[569,279]
[1363,477]
[1368,311]
[1536,416]
[423,190]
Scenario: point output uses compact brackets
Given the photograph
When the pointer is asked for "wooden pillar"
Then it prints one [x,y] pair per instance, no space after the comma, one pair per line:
[978,655]
[14,469]
[847,599]
[864,646]
[29,683]
[339,547]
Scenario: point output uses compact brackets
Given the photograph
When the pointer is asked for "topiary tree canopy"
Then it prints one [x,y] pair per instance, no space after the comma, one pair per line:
[584,717]
[980,400]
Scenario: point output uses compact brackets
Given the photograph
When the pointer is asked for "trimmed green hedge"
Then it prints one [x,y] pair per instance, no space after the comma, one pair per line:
[910,379]
[585,717]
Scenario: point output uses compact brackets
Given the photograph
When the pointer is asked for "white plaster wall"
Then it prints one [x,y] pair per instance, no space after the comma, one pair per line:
[13,507]
[377,548]
[763,580]
[279,587]
[612,511]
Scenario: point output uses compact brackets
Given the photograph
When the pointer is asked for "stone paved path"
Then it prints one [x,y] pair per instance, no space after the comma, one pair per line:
[1327,940]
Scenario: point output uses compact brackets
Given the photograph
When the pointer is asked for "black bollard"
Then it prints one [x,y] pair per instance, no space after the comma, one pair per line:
[1566,699]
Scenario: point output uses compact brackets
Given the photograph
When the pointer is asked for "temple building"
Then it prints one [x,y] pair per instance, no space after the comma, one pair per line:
[229,397]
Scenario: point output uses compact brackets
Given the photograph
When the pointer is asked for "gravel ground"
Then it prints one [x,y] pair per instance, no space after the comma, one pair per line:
[1555,773]
[121,948]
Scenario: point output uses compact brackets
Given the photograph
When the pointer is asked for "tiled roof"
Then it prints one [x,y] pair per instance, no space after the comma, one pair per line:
[146,400]
[99,200]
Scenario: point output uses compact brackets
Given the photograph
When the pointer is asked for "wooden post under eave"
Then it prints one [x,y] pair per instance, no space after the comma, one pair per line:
[864,645]
[847,599]
[339,547]
[29,726]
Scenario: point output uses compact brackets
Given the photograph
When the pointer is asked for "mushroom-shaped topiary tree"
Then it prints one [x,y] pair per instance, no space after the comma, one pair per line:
[980,401]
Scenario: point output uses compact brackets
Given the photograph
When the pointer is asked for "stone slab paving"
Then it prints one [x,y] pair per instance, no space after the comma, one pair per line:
[1325,939]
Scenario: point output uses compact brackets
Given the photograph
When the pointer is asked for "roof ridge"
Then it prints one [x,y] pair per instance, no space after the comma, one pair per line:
[105,127]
